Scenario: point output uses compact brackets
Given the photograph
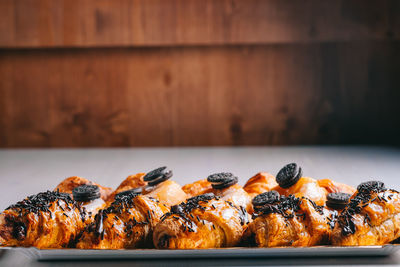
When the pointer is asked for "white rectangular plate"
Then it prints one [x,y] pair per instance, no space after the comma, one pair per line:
[319,251]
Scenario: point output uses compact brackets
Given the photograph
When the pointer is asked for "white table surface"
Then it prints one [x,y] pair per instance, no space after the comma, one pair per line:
[29,171]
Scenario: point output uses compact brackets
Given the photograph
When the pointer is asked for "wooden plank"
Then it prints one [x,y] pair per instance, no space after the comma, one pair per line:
[103,23]
[239,95]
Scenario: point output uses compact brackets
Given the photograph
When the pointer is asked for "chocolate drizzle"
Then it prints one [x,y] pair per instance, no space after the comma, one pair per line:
[122,204]
[366,193]
[183,211]
[186,207]
[287,206]
[35,204]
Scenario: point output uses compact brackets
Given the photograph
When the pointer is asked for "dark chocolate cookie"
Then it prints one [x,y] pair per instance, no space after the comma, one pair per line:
[222,180]
[289,175]
[86,193]
[177,209]
[269,197]
[158,175]
[205,197]
[130,191]
[337,200]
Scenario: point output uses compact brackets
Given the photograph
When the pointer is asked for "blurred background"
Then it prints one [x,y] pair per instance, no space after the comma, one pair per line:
[122,73]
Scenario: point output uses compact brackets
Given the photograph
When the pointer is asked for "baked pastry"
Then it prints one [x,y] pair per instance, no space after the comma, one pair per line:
[371,218]
[203,221]
[335,187]
[291,182]
[126,223]
[168,192]
[131,182]
[68,184]
[223,185]
[47,220]
[155,184]
[260,183]
[87,198]
[287,221]
[197,188]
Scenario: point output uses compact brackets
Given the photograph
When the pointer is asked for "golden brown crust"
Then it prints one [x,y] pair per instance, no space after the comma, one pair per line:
[234,193]
[305,187]
[131,182]
[68,184]
[169,193]
[54,228]
[124,225]
[91,208]
[216,224]
[260,183]
[304,227]
[334,187]
[129,228]
[197,188]
[376,223]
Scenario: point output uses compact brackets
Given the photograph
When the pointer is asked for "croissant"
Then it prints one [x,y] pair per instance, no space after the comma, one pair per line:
[131,182]
[291,182]
[287,221]
[371,218]
[68,184]
[197,188]
[169,193]
[46,220]
[305,187]
[335,187]
[224,186]
[166,191]
[87,198]
[204,221]
[126,223]
[260,183]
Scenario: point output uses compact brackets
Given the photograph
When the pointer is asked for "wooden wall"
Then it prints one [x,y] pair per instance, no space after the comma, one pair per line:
[198,72]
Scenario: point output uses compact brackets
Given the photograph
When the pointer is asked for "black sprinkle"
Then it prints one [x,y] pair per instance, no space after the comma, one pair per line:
[42,202]
[284,206]
[365,192]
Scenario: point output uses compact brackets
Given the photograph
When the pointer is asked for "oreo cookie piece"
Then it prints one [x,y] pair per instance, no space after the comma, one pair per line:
[222,180]
[337,200]
[177,209]
[204,197]
[157,176]
[371,185]
[135,191]
[289,175]
[262,199]
[86,192]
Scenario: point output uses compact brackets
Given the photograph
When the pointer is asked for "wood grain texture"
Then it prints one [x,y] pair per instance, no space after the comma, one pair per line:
[237,95]
[103,23]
